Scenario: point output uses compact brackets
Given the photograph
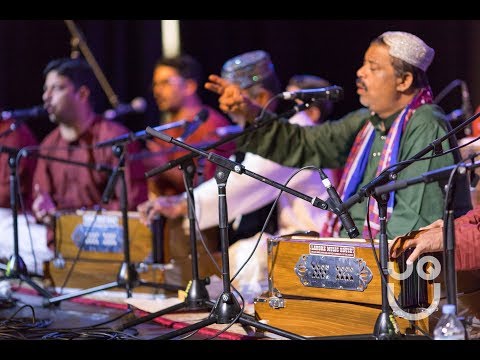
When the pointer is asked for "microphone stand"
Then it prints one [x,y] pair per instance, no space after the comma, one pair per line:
[16,268]
[449,227]
[384,328]
[127,276]
[78,41]
[139,134]
[197,293]
[227,308]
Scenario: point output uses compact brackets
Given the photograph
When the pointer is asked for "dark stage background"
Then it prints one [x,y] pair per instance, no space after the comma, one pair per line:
[126,51]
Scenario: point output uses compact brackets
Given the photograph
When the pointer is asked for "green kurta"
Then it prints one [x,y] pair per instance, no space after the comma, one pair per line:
[328,145]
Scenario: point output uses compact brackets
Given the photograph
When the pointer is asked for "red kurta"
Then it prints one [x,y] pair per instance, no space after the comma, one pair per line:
[74,187]
[17,139]
[205,134]
[467,240]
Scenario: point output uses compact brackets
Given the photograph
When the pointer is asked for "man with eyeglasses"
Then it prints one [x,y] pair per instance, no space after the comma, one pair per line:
[175,85]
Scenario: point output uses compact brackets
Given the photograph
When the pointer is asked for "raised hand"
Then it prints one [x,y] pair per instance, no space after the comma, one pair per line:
[233,100]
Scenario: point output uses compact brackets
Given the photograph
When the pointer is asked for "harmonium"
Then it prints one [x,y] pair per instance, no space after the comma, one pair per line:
[90,246]
[332,286]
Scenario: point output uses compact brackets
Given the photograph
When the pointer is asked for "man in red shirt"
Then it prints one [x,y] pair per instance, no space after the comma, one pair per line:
[67,97]
[16,139]
[175,88]
[175,84]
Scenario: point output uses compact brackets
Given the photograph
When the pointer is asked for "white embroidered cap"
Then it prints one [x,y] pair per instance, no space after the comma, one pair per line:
[409,48]
[248,69]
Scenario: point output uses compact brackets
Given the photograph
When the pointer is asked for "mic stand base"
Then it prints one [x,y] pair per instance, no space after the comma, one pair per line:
[198,295]
[189,304]
[16,269]
[227,310]
[384,328]
[16,265]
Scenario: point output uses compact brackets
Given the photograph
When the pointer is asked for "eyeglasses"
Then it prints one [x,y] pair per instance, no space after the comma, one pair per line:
[171,81]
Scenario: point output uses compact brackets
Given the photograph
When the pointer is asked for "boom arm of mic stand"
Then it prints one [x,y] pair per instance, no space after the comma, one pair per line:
[256,125]
[112,181]
[427,177]
[97,167]
[240,169]
[139,134]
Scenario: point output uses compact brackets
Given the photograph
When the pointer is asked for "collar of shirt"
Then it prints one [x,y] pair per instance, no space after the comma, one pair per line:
[377,122]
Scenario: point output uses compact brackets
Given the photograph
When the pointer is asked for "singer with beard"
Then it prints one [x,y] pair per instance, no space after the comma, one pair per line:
[68,98]
[397,121]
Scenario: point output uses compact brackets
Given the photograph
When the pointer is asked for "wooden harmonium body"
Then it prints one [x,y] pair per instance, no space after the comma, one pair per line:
[94,243]
[332,286]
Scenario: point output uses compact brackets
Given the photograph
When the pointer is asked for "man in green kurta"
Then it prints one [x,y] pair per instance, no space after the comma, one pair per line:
[399,120]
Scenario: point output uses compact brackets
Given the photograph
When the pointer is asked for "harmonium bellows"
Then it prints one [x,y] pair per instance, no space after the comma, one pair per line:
[314,281]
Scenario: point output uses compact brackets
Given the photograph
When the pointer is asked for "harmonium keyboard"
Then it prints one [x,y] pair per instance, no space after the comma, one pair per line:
[332,286]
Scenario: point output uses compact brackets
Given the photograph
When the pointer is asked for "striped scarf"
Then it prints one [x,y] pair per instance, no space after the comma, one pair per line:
[357,161]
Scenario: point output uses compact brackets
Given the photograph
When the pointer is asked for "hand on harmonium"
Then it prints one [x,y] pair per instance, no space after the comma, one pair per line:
[426,239]
[168,206]
[43,207]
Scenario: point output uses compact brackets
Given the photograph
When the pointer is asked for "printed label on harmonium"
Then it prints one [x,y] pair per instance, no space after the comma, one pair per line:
[101,233]
[332,250]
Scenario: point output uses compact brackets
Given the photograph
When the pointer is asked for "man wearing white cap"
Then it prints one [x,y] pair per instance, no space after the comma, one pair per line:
[398,120]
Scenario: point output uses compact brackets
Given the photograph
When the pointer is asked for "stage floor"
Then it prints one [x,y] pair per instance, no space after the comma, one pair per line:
[103,314]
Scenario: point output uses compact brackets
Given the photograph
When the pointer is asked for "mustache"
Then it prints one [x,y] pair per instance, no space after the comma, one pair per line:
[360,83]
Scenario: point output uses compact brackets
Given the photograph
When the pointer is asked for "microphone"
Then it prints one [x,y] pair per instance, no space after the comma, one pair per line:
[342,213]
[466,103]
[34,112]
[455,115]
[333,93]
[192,126]
[137,105]
[139,134]
[228,130]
